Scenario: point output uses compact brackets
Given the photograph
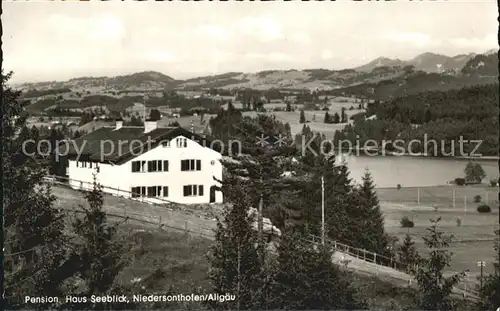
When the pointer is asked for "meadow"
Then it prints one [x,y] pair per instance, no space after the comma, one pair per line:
[473,231]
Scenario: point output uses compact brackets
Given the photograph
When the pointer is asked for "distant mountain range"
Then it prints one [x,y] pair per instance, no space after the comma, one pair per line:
[428,62]
[378,70]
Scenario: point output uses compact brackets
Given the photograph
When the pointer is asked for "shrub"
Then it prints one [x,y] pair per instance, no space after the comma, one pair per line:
[493,183]
[399,186]
[484,209]
[460,181]
[407,223]
[477,198]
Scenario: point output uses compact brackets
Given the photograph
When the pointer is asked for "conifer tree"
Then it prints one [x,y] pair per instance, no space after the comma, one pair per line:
[100,255]
[408,254]
[343,116]
[306,279]
[327,118]
[302,117]
[235,265]
[35,250]
[434,288]
[336,118]
[374,237]
[490,293]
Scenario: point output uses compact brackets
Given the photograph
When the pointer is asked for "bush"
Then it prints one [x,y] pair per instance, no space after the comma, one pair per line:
[484,209]
[460,181]
[399,186]
[477,198]
[407,223]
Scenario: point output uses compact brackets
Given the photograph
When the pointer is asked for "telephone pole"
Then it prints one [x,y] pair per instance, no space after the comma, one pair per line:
[322,210]
[261,203]
[481,264]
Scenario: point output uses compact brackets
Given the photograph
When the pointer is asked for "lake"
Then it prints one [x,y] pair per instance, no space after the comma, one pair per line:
[388,171]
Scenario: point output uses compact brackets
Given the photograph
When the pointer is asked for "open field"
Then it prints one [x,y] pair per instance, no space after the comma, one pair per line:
[318,125]
[473,238]
[441,196]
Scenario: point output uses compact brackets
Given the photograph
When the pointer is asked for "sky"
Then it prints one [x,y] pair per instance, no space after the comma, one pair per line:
[47,41]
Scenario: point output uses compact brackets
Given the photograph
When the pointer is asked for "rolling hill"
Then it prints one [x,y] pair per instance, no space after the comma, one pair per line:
[428,68]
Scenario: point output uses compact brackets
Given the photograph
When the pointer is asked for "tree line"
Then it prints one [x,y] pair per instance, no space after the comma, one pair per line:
[470,113]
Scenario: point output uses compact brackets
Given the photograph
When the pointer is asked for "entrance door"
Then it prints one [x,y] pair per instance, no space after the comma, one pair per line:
[212,194]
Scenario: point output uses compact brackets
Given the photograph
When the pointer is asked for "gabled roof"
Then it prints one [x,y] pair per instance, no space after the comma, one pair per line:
[103,145]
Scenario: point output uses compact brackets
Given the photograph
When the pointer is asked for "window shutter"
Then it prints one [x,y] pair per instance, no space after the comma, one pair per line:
[198,165]
[200,190]
[165,165]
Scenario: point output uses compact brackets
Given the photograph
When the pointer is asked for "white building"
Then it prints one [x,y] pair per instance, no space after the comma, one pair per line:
[148,163]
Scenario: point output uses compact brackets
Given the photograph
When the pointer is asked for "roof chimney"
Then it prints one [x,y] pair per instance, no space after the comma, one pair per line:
[119,124]
[150,125]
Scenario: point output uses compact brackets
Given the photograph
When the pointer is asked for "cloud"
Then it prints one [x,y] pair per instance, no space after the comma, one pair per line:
[300,37]
[265,26]
[213,32]
[487,42]
[326,54]
[415,38]
[103,27]
[274,57]
[161,56]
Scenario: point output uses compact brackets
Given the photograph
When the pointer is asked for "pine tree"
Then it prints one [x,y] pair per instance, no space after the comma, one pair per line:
[408,254]
[374,237]
[100,254]
[35,250]
[434,288]
[235,263]
[306,278]
[302,117]
[343,116]
[327,118]
[490,293]
[336,118]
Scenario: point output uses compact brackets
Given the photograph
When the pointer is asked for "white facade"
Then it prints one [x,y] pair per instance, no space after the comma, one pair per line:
[120,179]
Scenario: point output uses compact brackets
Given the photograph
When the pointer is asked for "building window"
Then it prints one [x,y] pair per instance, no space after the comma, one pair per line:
[165,191]
[77,163]
[138,166]
[193,190]
[191,165]
[90,163]
[152,191]
[165,143]
[181,142]
[136,192]
[158,166]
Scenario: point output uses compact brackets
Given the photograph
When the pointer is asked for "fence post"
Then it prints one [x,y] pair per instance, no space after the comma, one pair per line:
[454,198]
[418,196]
[375,258]
[364,254]
[465,204]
